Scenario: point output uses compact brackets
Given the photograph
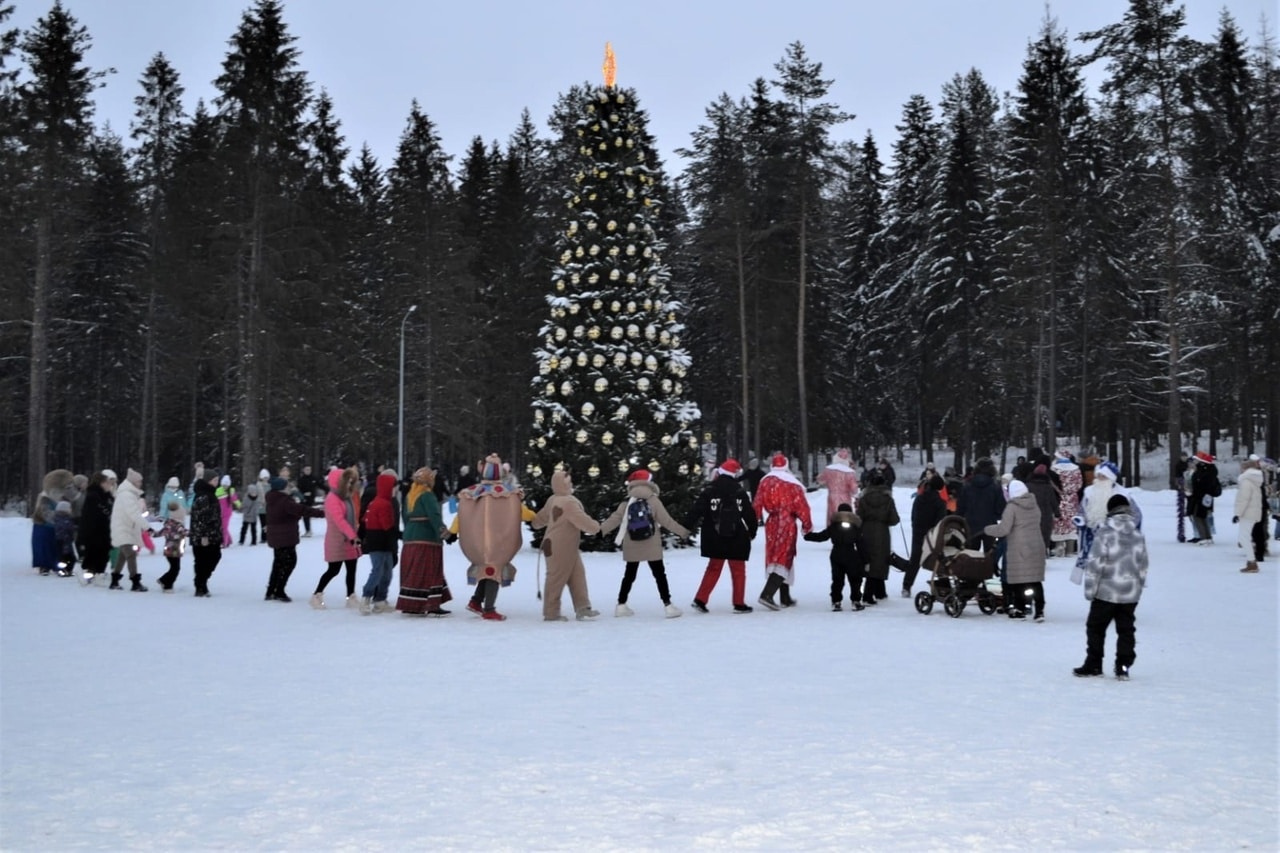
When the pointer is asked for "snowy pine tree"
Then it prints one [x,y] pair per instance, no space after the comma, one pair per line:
[609,396]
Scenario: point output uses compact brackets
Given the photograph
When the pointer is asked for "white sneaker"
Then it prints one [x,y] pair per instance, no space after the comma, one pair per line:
[353,600]
[623,610]
[317,600]
[672,611]
[366,606]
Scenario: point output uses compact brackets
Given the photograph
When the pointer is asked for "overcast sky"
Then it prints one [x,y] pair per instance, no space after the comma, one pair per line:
[475,65]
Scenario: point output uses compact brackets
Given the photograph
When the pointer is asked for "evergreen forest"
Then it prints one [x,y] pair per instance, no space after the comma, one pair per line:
[232,280]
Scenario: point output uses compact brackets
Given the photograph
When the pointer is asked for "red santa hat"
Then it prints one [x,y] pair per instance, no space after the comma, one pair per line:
[1203,456]
[639,475]
[779,461]
[730,468]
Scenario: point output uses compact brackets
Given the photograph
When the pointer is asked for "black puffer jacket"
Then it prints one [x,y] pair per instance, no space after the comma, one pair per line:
[95,518]
[982,500]
[206,515]
[878,513]
[702,517]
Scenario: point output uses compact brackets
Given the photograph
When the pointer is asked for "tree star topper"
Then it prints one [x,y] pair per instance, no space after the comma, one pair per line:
[610,65]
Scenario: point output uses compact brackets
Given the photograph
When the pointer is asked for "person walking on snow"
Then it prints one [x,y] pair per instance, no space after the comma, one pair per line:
[206,529]
[381,532]
[1071,482]
[341,545]
[782,497]
[1250,512]
[844,533]
[174,533]
[489,516]
[128,520]
[1114,577]
[643,541]
[726,522]
[840,481]
[1020,525]
[423,587]
[281,535]
[228,502]
[1205,486]
[565,521]
[878,512]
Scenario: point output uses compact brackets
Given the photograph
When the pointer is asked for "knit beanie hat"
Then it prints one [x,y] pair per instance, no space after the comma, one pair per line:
[63,506]
[1017,489]
[1117,502]
[134,477]
[225,481]
[172,484]
[278,484]
[109,474]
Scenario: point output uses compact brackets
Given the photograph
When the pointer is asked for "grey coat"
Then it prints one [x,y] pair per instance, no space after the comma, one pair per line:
[1117,567]
[1020,525]
[643,550]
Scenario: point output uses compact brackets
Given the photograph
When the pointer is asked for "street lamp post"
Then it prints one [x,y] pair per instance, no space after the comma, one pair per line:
[400,442]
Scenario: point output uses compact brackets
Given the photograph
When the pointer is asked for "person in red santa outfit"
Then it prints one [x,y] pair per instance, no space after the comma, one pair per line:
[782,497]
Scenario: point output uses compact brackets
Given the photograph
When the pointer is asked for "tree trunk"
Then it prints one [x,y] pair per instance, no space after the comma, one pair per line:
[37,412]
[742,336]
[800,379]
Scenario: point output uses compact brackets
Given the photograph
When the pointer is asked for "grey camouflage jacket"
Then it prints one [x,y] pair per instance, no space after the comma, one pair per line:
[1117,567]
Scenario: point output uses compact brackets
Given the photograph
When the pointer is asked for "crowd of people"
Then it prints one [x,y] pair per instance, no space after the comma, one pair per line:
[1047,506]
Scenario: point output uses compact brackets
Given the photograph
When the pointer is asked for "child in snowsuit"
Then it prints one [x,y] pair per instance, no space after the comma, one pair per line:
[1114,577]
[844,534]
[174,533]
[249,514]
[64,532]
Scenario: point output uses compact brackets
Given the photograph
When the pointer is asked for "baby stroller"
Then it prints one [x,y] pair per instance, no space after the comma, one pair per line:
[958,574]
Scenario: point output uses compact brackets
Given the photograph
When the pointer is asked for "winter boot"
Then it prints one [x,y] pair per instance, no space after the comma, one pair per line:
[1087,670]
[136,584]
[317,601]
[700,606]
[785,595]
[1122,672]
[771,586]
[1250,568]
[586,614]
[115,581]
[743,608]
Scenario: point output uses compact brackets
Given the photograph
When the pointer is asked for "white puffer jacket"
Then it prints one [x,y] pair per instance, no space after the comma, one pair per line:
[1249,503]
[127,522]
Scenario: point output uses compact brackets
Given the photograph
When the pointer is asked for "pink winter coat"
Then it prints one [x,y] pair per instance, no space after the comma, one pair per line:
[842,485]
[340,517]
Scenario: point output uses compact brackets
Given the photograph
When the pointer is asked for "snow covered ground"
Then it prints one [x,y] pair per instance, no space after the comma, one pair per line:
[166,722]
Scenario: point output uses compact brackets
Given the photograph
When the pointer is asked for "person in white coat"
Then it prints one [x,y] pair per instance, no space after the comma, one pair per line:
[128,521]
[1250,512]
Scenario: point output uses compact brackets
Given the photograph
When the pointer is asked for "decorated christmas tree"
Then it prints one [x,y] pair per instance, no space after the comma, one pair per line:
[609,396]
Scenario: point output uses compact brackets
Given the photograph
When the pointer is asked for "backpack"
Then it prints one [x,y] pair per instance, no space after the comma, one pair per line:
[728,520]
[639,519]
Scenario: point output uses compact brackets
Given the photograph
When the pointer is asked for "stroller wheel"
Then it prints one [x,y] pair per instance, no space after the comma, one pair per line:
[924,603]
[954,605]
[986,603]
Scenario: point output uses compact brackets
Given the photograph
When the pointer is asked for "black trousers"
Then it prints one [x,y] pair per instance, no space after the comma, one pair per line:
[1259,537]
[175,565]
[332,572]
[206,558]
[283,562]
[873,589]
[659,577]
[1016,596]
[1101,614]
[840,572]
[249,527]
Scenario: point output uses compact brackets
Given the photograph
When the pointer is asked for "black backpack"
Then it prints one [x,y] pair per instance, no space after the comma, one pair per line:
[639,519]
[728,519]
